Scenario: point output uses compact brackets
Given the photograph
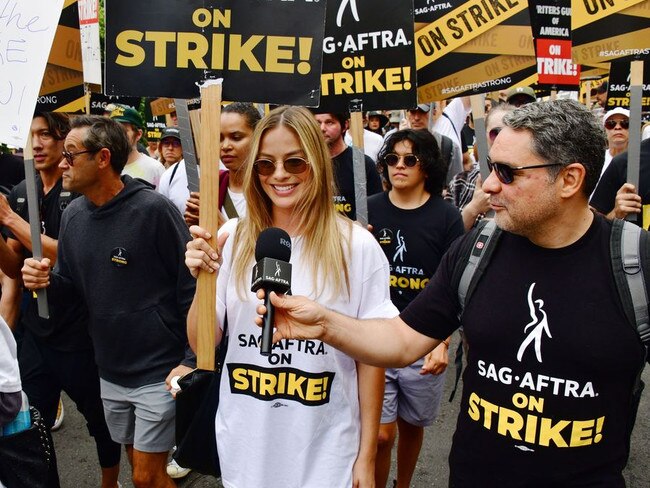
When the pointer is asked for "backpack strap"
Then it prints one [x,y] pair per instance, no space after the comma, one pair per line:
[628,245]
[474,257]
[483,243]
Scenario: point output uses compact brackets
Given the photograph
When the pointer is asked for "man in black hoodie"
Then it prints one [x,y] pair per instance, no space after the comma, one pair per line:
[121,247]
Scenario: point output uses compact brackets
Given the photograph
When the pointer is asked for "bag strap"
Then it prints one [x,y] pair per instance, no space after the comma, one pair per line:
[229,206]
[470,265]
[483,244]
[626,251]
[224,176]
[171,178]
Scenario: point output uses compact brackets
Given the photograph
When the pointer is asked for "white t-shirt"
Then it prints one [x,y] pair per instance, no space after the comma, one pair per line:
[451,122]
[176,190]
[145,168]
[291,420]
[9,373]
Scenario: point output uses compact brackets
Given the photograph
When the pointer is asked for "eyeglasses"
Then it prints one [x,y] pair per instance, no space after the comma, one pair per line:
[69,156]
[611,124]
[506,174]
[410,160]
[171,142]
[494,133]
[293,165]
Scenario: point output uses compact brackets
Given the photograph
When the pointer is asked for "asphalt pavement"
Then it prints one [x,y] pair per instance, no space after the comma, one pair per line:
[78,467]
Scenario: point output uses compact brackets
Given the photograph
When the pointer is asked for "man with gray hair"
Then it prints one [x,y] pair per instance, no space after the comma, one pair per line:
[543,403]
[121,248]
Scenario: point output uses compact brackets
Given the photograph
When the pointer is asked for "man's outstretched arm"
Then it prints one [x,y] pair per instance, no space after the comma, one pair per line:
[378,342]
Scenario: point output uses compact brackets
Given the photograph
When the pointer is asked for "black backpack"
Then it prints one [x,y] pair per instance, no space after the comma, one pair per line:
[630,257]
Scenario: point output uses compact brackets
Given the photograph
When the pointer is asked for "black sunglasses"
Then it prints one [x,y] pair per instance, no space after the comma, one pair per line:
[611,124]
[410,160]
[494,133]
[506,174]
[293,165]
[69,156]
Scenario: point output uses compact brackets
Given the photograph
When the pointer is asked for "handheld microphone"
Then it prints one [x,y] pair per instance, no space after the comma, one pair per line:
[271,273]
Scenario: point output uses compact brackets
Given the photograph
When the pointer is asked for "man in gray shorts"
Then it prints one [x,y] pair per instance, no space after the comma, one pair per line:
[414,227]
[122,248]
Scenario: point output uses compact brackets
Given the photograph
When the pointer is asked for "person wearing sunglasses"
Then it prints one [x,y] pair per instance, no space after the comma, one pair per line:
[543,402]
[56,353]
[281,432]
[170,147]
[121,249]
[617,129]
[415,227]
[616,198]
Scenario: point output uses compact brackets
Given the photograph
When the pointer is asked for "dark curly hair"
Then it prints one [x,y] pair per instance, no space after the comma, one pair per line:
[425,147]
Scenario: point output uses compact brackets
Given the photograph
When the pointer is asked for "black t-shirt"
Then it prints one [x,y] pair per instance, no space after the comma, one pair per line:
[344,175]
[414,241]
[66,329]
[615,176]
[551,366]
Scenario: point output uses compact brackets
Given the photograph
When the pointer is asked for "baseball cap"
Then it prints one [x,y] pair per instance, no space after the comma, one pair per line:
[616,111]
[425,107]
[171,132]
[525,91]
[127,114]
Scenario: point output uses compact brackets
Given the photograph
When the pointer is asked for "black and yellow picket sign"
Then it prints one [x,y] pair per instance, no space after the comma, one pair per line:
[472,47]
[607,30]
[618,93]
[62,89]
[368,56]
[264,51]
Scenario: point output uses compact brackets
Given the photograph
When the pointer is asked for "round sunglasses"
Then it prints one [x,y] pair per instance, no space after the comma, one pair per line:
[611,124]
[293,165]
[410,160]
[506,173]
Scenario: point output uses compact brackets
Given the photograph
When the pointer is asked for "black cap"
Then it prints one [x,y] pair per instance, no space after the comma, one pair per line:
[171,132]
[273,243]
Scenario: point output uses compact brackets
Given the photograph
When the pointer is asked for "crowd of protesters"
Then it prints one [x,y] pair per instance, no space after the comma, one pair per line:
[122,248]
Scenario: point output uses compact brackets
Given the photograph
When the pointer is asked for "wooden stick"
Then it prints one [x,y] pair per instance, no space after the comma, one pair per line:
[206,286]
[634,144]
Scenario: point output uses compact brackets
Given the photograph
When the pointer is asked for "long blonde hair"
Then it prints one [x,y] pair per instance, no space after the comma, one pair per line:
[323,231]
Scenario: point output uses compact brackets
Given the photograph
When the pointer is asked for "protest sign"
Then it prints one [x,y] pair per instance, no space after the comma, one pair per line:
[606,30]
[474,47]
[551,24]
[99,101]
[62,89]
[264,51]
[90,48]
[26,32]
[368,56]
[618,93]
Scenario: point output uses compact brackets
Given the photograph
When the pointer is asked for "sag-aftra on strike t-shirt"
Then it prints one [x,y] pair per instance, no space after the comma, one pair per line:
[551,366]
